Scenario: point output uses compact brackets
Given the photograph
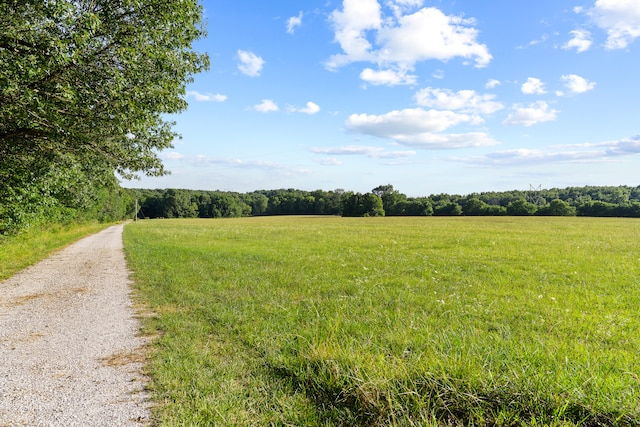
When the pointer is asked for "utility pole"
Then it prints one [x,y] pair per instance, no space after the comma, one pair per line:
[135,216]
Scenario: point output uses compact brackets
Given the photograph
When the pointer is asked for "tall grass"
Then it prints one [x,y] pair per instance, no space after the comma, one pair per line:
[27,248]
[392,321]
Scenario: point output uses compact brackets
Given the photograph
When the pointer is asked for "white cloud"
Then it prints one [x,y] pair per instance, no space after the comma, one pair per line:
[396,154]
[402,40]
[430,34]
[387,77]
[527,156]
[468,101]
[534,42]
[399,7]
[293,22]
[530,115]
[250,63]
[408,121]
[202,160]
[311,108]
[362,150]
[577,84]
[205,161]
[581,41]
[206,97]
[570,153]
[172,155]
[438,74]
[329,161]
[620,19]
[533,86]
[492,83]
[419,128]
[436,141]
[627,146]
[350,26]
[266,106]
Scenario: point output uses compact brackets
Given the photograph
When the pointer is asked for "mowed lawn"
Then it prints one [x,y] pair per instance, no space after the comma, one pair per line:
[328,321]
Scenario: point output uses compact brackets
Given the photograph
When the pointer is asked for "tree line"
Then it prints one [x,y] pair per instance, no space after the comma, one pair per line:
[110,202]
[384,200]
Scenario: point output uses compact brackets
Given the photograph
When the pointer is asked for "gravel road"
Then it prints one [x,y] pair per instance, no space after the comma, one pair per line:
[69,350]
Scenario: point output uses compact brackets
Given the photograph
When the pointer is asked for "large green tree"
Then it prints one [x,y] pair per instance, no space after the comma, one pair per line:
[90,82]
[392,199]
[357,204]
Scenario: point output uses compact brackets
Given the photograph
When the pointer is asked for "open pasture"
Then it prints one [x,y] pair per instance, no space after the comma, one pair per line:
[327,321]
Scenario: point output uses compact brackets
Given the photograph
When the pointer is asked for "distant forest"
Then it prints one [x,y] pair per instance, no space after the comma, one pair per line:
[384,200]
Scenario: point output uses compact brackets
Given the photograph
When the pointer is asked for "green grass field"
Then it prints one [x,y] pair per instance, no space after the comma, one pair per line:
[327,321]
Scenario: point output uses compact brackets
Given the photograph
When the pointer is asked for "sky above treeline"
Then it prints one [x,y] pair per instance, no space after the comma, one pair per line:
[430,96]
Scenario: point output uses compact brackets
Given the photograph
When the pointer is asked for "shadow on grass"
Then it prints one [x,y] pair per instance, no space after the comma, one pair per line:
[436,402]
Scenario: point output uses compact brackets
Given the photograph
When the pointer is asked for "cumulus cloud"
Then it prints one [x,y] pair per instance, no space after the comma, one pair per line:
[250,63]
[388,77]
[581,41]
[293,22]
[576,84]
[430,34]
[266,106]
[362,150]
[492,83]
[206,97]
[421,128]
[311,108]
[410,120]
[531,114]
[402,40]
[350,26]
[620,19]
[533,86]
[468,101]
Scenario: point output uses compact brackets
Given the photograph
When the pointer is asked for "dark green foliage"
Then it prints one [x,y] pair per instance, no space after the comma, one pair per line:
[521,207]
[84,89]
[447,209]
[172,203]
[557,207]
[392,200]
[475,207]
[412,207]
[217,204]
[358,205]
[598,208]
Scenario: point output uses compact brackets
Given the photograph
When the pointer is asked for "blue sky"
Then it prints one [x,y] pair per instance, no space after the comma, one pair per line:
[453,96]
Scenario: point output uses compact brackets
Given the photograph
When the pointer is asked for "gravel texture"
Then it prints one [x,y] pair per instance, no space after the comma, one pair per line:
[70,354]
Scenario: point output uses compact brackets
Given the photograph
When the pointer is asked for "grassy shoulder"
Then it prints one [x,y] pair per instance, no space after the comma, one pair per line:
[25,249]
[391,321]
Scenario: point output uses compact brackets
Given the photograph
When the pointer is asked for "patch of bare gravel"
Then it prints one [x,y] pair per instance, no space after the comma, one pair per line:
[70,354]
